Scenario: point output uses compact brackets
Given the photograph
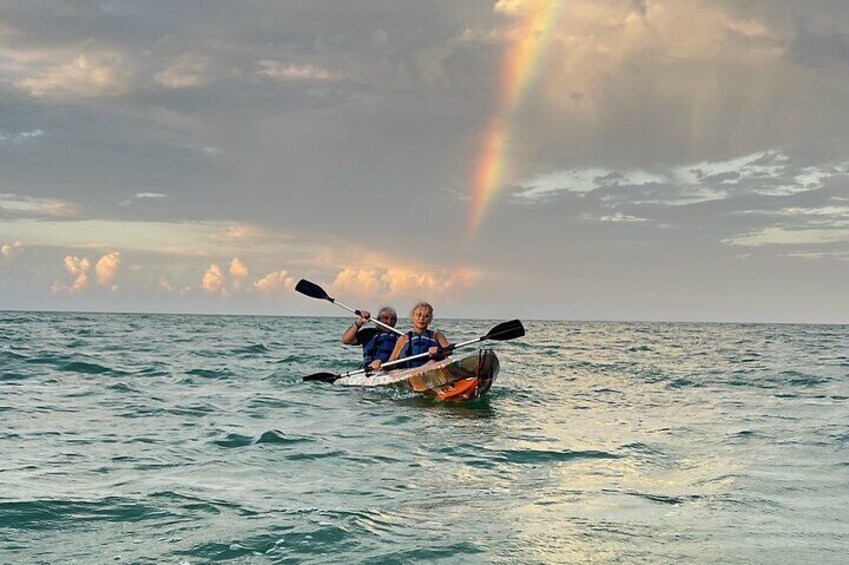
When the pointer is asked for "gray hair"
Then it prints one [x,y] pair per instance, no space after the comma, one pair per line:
[387,310]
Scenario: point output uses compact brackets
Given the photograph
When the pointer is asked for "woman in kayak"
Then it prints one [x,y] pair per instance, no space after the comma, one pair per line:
[420,339]
[376,348]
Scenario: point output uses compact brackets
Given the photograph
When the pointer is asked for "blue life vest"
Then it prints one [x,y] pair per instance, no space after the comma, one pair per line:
[379,347]
[417,344]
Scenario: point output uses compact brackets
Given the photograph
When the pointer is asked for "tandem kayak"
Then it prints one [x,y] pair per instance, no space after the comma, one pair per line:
[451,379]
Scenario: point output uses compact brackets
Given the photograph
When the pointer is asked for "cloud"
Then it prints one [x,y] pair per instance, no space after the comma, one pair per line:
[664,82]
[18,206]
[78,269]
[86,75]
[619,217]
[165,284]
[8,250]
[214,281]
[826,216]
[143,196]
[218,282]
[107,267]
[276,283]
[766,173]
[238,272]
[782,236]
[797,226]
[583,180]
[246,234]
[238,269]
[402,282]
[21,136]
[818,256]
[280,71]
[186,71]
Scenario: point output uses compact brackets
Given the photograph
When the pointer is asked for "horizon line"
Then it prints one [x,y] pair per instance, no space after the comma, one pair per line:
[563,320]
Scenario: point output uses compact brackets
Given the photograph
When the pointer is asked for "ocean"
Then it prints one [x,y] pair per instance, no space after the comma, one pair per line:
[128,438]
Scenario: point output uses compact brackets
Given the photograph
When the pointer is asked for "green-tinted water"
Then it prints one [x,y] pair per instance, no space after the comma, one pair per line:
[181,439]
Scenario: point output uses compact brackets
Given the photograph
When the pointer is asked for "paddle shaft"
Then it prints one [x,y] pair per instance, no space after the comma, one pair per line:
[412,358]
[448,349]
[358,313]
[504,330]
[312,290]
[501,332]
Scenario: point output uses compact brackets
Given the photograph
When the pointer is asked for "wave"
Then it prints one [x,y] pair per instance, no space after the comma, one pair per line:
[49,514]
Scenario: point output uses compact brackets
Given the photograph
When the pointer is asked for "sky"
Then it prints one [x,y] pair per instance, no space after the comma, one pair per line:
[669,160]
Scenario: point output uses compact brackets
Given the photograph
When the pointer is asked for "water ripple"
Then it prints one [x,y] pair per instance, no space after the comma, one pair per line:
[179,438]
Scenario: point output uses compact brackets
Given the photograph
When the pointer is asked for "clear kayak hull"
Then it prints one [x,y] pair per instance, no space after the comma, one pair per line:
[452,379]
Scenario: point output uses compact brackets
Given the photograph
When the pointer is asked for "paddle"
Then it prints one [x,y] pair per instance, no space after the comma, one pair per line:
[501,332]
[365,335]
[314,291]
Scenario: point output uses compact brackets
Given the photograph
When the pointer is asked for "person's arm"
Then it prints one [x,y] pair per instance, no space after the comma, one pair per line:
[437,352]
[350,335]
[399,347]
[441,339]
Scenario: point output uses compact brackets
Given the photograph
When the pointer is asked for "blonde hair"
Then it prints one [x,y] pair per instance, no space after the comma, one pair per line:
[421,305]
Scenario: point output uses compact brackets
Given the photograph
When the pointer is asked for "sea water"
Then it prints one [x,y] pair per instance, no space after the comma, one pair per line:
[191,439]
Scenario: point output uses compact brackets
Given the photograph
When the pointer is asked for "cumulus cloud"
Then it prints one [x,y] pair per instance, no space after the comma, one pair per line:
[238,269]
[276,283]
[8,250]
[238,272]
[402,282]
[107,267]
[78,269]
[365,281]
[223,283]
[214,281]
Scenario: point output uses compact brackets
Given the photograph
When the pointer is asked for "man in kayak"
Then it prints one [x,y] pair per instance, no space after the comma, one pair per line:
[377,347]
[420,339]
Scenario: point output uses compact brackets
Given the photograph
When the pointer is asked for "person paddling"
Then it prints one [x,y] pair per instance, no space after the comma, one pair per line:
[420,339]
[376,349]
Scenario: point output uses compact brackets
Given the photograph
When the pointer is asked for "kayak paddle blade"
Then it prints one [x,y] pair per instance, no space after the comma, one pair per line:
[365,335]
[312,290]
[506,330]
[321,377]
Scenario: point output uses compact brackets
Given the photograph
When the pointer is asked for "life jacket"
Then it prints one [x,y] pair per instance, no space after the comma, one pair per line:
[379,347]
[417,344]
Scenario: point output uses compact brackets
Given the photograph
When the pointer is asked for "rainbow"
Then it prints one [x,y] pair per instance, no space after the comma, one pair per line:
[520,62]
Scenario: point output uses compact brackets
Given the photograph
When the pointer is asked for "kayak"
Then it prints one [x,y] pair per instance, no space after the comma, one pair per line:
[451,379]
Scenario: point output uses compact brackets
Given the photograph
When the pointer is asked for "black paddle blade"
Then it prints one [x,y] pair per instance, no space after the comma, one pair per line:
[322,377]
[506,330]
[312,290]
[365,335]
